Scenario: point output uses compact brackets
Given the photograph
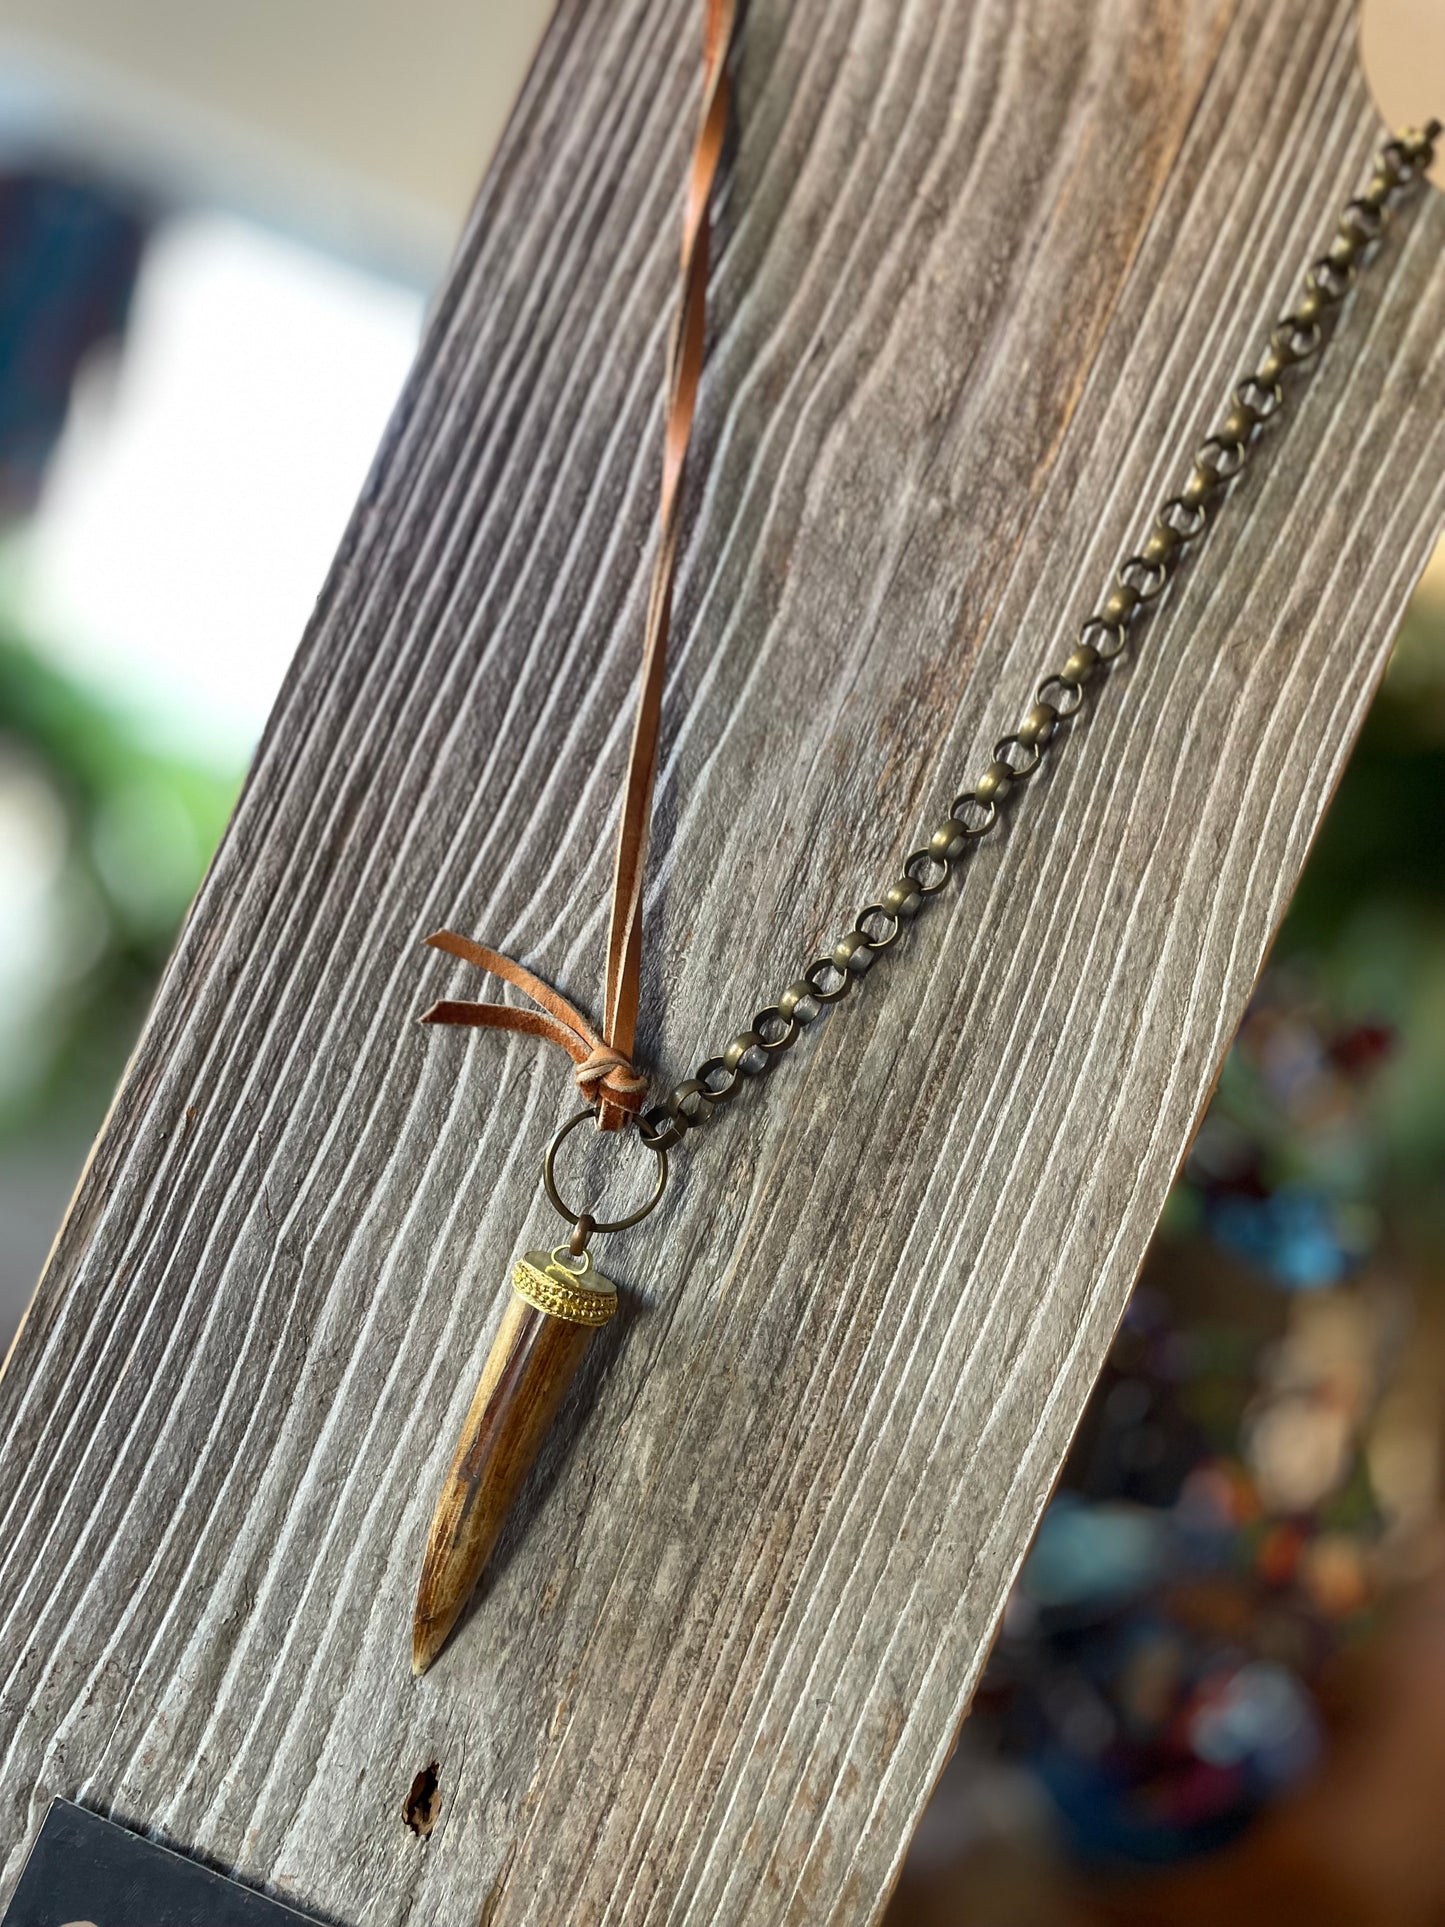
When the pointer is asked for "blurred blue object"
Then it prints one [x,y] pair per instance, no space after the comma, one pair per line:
[69,255]
[1261,1719]
[1089,1555]
[1295,1234]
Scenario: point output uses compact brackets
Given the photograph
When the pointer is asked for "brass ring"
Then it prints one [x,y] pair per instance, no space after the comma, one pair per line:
[560,1255]
[549,1180]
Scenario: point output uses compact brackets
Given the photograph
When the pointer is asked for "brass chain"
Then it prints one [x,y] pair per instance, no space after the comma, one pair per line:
[1138,583]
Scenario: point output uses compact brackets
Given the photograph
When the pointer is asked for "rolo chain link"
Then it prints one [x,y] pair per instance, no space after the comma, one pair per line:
[1138,583]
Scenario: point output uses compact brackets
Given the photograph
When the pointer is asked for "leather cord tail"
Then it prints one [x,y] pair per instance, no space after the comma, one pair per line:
[600,1071]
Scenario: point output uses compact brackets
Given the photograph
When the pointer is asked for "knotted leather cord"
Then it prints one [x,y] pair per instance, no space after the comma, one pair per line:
[604,1071]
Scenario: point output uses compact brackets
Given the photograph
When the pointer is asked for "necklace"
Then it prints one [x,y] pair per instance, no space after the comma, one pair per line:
[558,1298]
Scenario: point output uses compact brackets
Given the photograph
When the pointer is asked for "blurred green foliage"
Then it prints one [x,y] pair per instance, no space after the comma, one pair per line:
[127,833]
[1368,919]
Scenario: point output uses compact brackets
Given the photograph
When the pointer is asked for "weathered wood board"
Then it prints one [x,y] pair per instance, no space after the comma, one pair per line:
[986,272]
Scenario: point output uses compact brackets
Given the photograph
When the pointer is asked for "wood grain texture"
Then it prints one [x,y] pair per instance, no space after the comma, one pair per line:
[986,272]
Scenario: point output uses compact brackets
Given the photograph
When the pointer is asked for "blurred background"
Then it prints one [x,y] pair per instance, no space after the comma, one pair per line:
[219,227]
[1221,1678]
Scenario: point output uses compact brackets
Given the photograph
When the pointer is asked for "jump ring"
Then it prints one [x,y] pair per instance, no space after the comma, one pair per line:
[549,1179]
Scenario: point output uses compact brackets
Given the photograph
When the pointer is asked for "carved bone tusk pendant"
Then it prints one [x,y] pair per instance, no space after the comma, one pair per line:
[553,1311]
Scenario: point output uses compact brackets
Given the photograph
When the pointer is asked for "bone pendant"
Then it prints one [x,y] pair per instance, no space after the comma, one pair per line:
[544,1331]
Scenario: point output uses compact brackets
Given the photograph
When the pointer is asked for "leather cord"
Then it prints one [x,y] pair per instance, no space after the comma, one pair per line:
[604,1070]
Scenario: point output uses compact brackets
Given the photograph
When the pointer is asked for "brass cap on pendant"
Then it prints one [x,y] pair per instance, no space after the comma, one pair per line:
[578,1297]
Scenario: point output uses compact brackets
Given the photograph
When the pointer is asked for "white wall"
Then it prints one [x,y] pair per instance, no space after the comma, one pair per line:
[364,123]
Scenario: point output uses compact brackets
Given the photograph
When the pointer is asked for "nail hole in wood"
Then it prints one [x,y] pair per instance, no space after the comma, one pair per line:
[424,1802]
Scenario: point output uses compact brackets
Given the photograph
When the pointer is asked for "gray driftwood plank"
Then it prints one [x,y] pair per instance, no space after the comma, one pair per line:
[987,271]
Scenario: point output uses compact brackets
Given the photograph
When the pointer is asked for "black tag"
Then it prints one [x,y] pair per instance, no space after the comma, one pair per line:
[87,1872]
